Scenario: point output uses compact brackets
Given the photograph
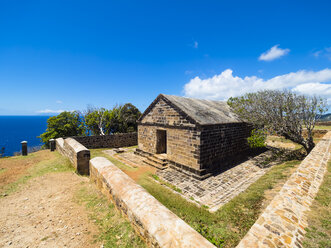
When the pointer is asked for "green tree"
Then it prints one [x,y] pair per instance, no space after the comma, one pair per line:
[120,119]
[282,112]
[96,120]
[63,125]
[129,115]
[114,123]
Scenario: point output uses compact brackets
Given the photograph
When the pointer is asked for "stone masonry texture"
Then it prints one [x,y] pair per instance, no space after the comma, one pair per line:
[283,222]
[156,224]
[218,189]
[78,154]
[198,149]
[108,141]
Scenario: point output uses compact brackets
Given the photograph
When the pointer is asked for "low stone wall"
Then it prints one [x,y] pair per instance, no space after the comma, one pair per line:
[108,141]
[323,123]
[78,154]
[316,133]
[283,222]
[153,221]
[59,142]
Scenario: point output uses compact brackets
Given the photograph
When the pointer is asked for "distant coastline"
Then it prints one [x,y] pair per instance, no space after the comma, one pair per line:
[16,128]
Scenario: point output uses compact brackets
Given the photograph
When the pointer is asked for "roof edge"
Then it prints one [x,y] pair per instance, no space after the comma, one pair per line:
[178,109]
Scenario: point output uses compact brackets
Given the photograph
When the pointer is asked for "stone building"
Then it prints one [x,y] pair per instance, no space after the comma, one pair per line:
[194,136]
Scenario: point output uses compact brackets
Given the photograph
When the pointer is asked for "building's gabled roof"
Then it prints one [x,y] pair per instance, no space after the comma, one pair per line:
[202,112]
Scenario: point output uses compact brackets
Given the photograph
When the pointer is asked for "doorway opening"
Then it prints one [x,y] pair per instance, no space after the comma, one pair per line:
[161,141]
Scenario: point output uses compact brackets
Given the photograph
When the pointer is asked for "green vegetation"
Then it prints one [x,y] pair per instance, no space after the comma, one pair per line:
[63,125]
[319,221]
[115,230]
[227,226]
[257,139]
[56,164]
[120,119]
[320,127]
[2,170]
[94,121]
[173,187]
[100,153]
[284,113]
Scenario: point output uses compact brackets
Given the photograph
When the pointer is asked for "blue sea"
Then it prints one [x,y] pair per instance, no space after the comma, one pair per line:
[14,129]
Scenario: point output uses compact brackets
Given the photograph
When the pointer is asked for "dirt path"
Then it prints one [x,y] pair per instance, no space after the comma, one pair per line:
[43,214]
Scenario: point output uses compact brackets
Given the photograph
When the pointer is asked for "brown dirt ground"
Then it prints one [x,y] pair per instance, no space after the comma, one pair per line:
[43,213]
[14,167]
[139,168]
[136,175]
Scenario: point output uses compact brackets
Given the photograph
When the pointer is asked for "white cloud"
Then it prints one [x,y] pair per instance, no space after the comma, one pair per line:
[317,54]
[50,111]
[274,53]
[225,85]
[326,52]
[195,44]
[59,101]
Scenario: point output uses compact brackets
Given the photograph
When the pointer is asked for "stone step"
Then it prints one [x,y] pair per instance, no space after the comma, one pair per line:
[157,160]
[154,164]
[162,156]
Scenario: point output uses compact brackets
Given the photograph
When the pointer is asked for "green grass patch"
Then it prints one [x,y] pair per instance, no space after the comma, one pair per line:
[171,186]
[319,218]
[56,164]
[100,153]
[2,170]
[115,230]
[321,127]
[227,226]
[132,148]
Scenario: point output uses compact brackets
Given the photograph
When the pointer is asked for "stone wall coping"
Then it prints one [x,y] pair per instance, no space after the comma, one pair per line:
[60,141]
[155,223]
[78,147]
[106,135]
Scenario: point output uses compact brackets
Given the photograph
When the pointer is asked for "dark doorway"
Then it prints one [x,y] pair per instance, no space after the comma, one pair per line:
[161,141]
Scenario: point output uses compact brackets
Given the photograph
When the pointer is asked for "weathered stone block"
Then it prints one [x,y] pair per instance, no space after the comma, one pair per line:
[153,221]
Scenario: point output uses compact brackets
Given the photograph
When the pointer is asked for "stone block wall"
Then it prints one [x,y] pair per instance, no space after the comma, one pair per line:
[165,114]
[183,147]
[182,144]
[324,123]
[156,224]
[108,141]
[78,154]
[316,133]
[147,138]
[59,143]
[222,143]
[283,222]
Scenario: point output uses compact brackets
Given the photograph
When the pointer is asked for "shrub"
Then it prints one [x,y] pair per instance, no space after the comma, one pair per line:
[257,138]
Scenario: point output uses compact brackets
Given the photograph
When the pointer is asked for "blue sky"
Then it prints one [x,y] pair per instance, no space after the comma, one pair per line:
[64,55]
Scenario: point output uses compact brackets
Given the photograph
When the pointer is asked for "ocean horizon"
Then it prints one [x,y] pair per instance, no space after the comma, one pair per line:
[17,128]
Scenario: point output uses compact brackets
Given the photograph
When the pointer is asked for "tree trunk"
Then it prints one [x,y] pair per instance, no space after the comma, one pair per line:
[308,145]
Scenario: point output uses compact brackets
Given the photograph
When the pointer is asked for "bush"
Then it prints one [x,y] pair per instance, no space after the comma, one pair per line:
[257,138]
[63,125]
